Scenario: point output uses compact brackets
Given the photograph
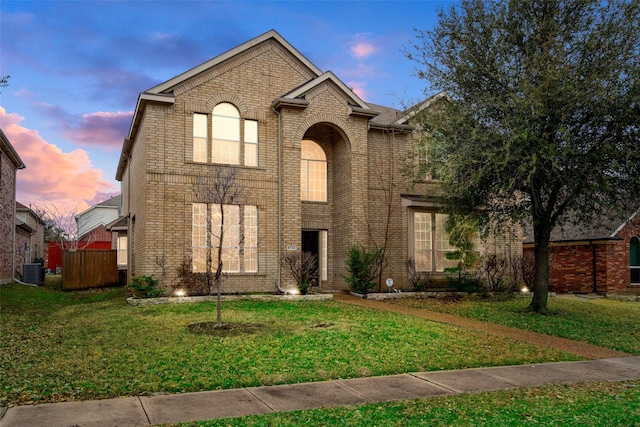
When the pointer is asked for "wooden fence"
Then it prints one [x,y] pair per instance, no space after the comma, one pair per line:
[89,269]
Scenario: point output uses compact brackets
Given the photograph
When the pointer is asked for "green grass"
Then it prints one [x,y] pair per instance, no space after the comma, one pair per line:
[594,404]
[57,346]
[603,322]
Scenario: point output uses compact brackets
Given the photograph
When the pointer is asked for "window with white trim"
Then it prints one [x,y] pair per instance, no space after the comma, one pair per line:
[200,137]
[239,242]
[431,242]
[634,260]
[313,172]
[121,249]
[224,143]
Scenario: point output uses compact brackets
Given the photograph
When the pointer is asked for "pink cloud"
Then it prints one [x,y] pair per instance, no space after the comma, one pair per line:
[361,50]
[66,179]
[101,129]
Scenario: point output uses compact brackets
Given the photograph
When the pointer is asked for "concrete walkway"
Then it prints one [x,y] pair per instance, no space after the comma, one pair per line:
[151,410]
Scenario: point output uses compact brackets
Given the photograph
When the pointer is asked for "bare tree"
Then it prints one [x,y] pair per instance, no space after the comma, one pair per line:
[219,190]
[385,181]
[61,226]
[303,267]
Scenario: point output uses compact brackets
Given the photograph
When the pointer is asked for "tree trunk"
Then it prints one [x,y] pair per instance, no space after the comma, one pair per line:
[542,234]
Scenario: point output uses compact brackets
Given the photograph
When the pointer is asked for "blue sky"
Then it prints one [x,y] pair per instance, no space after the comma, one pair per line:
[77,68]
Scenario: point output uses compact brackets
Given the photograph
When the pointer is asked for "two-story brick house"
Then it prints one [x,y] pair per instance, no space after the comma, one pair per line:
[319,167]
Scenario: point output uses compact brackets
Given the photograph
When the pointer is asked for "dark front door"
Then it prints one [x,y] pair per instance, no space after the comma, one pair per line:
[311,244]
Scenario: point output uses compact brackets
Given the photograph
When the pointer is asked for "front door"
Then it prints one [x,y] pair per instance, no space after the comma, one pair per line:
[311,244]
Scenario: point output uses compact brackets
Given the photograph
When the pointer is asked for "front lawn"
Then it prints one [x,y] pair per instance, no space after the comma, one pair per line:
[59,346]
[603,322]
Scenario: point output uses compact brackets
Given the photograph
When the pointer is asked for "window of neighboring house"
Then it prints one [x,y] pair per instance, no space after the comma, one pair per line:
[431,242]
[121,250]
[634,260]
[240,237]
[313,172]
[200,138]
[225,134]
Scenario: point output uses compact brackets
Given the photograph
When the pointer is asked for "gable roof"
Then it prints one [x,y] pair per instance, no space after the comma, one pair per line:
[271,34]
[10,152]
[163,93]
[605,227]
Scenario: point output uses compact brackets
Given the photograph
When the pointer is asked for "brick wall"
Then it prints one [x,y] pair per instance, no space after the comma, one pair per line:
[7,204]
[160,180]
[572,265]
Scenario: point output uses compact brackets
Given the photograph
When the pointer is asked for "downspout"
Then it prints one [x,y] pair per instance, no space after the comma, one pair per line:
[279,277]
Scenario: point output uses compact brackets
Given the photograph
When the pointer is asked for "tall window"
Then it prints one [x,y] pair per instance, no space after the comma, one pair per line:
[634,260]
[431,242]
[239,243]
[251,143]
[313,172]
[200,138]
[225,134]
[121,250]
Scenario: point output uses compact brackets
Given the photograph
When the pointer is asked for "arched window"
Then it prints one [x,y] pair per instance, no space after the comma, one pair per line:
[225,134]
[634,259]
[313,172]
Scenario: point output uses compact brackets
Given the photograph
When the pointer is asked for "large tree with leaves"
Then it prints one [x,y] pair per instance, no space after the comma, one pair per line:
[543,119]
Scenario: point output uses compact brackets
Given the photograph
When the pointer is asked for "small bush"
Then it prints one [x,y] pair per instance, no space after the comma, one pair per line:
[303,267]
[363,266]
[420,280]
[193,283]
[145,286]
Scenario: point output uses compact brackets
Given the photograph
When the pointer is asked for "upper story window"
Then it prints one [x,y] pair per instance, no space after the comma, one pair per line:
[225,142]
[313,172]
[225,134]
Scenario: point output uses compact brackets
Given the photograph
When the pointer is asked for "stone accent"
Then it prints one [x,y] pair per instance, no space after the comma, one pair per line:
[226,298]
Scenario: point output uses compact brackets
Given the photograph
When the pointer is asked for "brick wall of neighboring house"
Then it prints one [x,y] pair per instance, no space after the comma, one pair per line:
[21,256]
[572,264]
[7,202]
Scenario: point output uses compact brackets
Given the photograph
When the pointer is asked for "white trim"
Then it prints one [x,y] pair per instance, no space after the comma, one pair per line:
[296,93]
[271,34]
[624,224]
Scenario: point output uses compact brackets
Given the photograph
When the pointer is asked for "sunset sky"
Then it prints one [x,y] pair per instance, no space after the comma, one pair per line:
[77,68]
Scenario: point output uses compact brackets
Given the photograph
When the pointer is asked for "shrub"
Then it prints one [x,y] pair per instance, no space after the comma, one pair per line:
[145,286]
[420,280]
[193,283]
[363,266]
[303,267]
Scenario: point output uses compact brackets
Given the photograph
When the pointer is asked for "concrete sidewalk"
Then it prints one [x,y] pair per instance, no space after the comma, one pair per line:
[151,410]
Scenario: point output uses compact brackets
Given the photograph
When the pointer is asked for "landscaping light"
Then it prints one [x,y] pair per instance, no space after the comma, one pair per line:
[524,290]
[179,293]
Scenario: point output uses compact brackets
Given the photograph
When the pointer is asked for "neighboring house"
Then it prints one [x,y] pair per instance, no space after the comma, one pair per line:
[319,165]
[29,237]
[10,162]
[92,224]
[601,257]
[92,232]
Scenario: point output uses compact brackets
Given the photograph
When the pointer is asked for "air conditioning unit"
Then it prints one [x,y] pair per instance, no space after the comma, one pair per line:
[33,273]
